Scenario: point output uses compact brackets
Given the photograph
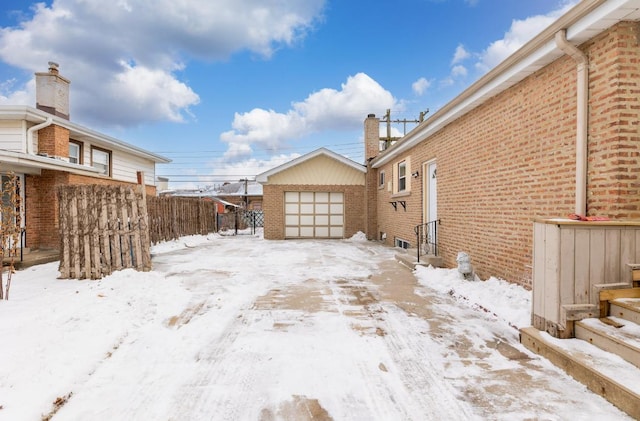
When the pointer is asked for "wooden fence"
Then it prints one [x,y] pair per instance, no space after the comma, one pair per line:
[109,228]
[173,217]
[102,229]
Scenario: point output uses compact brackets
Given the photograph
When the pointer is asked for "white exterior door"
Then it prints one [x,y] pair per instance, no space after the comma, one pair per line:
[314,215]
[430,200]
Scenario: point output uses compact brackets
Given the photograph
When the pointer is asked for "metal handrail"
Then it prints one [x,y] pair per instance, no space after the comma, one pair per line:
[427,238]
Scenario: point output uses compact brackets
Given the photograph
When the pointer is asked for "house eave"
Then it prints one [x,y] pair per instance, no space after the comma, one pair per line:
[33,164]
[586,20]
[76,131]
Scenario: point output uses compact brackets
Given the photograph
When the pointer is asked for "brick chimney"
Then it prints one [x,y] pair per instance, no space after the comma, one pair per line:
[371,150]
[371,137]
[52,92]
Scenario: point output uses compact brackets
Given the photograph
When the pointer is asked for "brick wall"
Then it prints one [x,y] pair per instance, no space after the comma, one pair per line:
[614,135]
[513,159]
[273,207]
[54,141]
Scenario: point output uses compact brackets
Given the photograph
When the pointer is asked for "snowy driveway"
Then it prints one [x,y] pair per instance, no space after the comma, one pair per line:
[246,329]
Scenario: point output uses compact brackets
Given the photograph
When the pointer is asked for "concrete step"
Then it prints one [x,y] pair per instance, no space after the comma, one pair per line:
[618,336]
[626,308]
[409,258]
[32,258]
[604,373]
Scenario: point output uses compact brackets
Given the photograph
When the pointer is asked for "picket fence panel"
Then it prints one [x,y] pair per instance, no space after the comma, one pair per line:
[108,228]
[102,229]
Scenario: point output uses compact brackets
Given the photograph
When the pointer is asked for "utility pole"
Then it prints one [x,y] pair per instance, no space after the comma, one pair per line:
[246,198]
[387,119]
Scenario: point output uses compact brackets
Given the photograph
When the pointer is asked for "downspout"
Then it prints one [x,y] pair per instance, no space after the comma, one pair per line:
[31,130]
[582,117]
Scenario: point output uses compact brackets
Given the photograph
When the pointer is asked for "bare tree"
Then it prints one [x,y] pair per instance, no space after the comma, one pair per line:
[10,230]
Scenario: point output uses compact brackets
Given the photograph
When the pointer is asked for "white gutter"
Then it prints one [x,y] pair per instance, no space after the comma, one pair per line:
[582,118]
[31,130]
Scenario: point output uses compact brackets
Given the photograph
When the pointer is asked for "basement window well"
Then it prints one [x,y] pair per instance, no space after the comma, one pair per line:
[403,244]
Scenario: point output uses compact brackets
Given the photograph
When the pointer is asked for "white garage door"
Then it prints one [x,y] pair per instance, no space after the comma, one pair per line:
[314,214]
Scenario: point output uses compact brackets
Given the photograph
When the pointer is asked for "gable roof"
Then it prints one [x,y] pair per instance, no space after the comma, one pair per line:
[76,131]
[584,21]
[263,178]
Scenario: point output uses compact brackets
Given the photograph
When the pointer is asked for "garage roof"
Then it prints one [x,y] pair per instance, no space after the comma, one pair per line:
[264,177]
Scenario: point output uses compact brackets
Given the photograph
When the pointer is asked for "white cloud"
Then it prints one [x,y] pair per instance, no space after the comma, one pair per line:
[446,82]
[91,40]
[327,109]
[220,170]
[9,95]
[520,32]
[458,71]
[253,165]
[420,86]
[460,54]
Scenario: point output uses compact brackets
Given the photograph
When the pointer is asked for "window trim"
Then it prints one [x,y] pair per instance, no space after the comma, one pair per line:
[381,179]
[394,184]
[402,176]
[80,151]
[401,243]
[110,157]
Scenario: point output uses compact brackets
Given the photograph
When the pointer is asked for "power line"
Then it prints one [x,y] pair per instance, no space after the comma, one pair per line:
[280,149]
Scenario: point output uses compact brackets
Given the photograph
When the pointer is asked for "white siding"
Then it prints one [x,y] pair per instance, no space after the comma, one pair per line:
[319,170]
[125,168]
[13,136]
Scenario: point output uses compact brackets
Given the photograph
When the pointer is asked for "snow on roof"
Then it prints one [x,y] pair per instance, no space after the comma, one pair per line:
[253,188]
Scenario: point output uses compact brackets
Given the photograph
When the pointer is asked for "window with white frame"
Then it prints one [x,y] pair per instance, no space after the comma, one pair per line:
[402,176]
[101,160]
[399,242]
[75,152]
[381,179]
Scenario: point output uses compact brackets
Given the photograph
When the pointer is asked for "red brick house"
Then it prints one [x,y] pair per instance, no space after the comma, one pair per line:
[46,150]
[553,130]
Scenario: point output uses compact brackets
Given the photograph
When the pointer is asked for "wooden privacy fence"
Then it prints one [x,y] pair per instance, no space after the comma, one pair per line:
[102,229]
[109,228]
[173,217]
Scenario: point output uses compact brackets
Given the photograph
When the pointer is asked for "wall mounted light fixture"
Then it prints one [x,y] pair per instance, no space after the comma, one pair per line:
[415,174]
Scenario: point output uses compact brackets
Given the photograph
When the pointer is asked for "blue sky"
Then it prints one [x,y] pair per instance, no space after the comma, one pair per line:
[231,88]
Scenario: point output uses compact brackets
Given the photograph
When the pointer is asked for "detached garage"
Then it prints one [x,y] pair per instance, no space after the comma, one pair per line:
[318,195]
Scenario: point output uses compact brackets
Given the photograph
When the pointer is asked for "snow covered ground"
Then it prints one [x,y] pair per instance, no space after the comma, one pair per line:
[239,328]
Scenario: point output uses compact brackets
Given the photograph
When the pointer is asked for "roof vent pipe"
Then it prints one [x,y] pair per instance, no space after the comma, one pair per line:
[582,117]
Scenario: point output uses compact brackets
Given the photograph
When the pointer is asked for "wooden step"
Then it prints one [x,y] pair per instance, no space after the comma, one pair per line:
[626,308]
[618,336]
[603,373]
[608,295]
